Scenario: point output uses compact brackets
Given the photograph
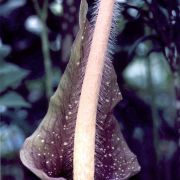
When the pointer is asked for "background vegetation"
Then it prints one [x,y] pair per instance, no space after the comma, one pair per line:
[35,41]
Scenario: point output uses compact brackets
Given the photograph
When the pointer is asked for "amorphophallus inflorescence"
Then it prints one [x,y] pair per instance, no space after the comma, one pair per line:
[79,138]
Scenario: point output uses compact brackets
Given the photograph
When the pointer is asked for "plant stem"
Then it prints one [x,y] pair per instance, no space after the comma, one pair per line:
[42,14]
[47,61]
[155,116]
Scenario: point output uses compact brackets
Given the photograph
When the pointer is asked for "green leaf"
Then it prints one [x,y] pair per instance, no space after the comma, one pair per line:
[13,100]
[11,75]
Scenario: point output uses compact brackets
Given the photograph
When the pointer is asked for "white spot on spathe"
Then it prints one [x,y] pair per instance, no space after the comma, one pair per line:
[65,143]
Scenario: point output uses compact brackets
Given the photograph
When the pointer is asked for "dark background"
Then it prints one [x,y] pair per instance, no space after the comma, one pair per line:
[146,61]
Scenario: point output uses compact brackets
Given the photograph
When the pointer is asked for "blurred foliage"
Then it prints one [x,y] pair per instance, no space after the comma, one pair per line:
[11,76]
[12,99]
[11,138]
[7,71]
[146,61]
[161,84]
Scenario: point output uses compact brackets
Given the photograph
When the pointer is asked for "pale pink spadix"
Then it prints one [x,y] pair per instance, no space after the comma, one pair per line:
[84,142]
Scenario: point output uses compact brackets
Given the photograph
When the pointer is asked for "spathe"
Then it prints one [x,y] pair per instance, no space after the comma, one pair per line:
[48,152]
